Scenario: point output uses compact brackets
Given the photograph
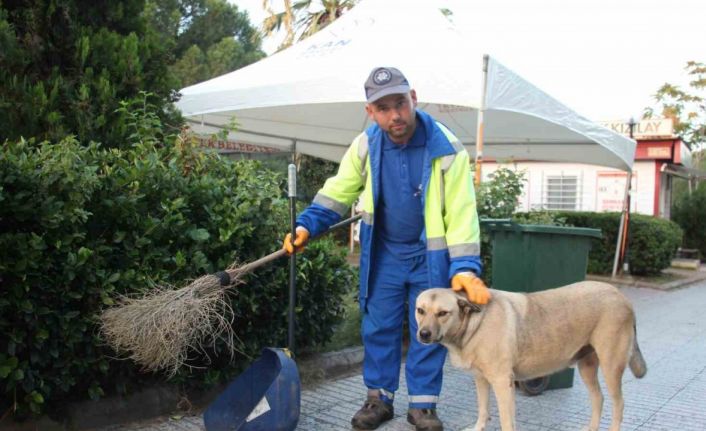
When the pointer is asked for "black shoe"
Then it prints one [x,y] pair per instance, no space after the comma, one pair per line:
[424,420]
[373,413]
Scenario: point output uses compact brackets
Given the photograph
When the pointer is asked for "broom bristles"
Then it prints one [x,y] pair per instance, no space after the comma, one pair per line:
[160,329]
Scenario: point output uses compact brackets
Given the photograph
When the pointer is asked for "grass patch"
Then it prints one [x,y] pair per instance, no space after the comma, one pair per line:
[661,278]
[347,334]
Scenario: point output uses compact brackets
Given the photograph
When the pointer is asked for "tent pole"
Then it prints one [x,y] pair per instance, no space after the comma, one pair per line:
[479,132]
[624,264]
[622,234]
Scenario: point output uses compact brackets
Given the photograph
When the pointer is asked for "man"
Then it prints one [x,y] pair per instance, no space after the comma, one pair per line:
[419,230]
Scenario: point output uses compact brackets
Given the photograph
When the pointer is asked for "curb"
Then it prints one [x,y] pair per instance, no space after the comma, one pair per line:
[163,400]
[629,281]
[319,367]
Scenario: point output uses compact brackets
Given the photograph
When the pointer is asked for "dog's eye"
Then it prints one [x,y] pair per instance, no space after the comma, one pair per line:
[442,313]
[420,311]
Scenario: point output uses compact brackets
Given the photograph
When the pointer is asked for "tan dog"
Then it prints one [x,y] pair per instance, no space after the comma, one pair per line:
[523,336]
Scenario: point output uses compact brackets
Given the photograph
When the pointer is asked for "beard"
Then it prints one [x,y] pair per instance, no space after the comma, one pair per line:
[400,130]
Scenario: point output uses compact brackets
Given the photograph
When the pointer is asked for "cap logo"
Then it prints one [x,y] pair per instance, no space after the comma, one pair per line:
[382,77]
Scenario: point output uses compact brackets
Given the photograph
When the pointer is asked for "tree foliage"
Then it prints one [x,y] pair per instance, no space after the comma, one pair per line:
[303,18]
[688,211]
[686,106]
[209,37]
[64,67]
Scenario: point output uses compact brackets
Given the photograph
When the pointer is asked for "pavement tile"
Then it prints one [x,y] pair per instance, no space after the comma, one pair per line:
[671,397]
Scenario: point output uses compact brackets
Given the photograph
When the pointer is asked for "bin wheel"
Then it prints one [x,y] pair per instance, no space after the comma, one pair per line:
[534,387]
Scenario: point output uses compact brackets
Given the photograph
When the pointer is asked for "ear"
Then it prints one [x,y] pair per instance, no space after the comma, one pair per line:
[369,111]
[467,307]
[413,96]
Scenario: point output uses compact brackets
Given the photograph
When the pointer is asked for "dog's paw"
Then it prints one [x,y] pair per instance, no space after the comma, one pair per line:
[479,426]
[476,427]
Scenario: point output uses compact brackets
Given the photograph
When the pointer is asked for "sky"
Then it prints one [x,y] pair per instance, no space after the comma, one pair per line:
[605,59]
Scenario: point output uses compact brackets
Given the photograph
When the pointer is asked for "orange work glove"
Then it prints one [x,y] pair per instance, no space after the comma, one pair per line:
[299,241]
[476,290]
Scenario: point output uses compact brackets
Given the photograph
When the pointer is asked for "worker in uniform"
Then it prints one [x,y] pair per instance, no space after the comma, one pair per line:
[419,230]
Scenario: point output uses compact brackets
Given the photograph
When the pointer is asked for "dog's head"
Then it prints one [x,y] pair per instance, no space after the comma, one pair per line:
[440,314]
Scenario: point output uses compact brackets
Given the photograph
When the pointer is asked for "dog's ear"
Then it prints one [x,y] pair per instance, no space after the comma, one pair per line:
[468,307]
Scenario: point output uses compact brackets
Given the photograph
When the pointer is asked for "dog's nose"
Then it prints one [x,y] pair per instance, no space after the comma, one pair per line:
[424,335]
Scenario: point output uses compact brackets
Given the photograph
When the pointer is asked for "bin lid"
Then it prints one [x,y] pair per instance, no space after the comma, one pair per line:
[509,225]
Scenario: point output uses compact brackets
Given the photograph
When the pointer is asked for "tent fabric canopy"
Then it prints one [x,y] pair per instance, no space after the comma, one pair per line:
[310,96]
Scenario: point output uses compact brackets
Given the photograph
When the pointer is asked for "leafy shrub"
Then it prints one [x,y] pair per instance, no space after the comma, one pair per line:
[689,212]
[80,224]
[313,173]
[543,218]
[496,198]
[651,243]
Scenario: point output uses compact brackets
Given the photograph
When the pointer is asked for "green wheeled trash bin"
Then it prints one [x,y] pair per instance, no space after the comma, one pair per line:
[530,258]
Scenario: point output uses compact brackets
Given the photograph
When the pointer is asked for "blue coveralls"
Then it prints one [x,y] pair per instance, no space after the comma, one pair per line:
[398,276]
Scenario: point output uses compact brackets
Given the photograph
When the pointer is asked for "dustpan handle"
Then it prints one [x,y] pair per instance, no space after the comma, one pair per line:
[282,252]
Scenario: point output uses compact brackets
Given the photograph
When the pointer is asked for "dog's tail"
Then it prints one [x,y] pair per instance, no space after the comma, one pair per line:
[637,362]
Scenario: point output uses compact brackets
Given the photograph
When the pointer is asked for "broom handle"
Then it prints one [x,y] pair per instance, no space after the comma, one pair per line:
[282,252]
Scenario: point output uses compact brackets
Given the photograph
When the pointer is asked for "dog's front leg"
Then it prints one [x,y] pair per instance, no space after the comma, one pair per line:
[483,392]
[504,388]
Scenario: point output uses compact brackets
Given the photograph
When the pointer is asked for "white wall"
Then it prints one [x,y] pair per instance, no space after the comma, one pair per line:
[600,188]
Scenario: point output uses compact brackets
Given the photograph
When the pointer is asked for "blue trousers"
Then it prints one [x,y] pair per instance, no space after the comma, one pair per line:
[394,285]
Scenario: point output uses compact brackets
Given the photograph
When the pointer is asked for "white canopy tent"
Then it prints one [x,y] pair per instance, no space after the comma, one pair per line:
[309,98]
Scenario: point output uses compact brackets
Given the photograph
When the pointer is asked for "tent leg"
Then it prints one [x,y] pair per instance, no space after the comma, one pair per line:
[480,126]
[617,245]
[623,219]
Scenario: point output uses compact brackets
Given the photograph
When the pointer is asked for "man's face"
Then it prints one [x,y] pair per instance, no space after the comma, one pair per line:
[395,115]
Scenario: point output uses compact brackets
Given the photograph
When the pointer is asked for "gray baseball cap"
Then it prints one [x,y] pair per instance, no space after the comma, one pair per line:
[384,81]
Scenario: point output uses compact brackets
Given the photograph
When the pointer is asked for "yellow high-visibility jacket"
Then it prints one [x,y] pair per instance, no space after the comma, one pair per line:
[451,230]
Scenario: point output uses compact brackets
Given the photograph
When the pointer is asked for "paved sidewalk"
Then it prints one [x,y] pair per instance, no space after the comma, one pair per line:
[672,396]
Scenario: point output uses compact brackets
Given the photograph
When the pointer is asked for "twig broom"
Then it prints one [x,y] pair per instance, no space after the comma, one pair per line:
[159,329]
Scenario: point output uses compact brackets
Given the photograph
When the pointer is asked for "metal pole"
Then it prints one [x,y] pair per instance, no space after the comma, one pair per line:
[626,227]
[351,232]
[623,229]
[617,245]
[480,125]
[626,237]
[292,175]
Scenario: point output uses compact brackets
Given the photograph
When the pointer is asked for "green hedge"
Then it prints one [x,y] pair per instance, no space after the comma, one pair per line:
[80,224]
[652,241]
[651,246]
[689,212]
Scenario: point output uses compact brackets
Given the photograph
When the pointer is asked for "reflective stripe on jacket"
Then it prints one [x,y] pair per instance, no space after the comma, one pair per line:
[451,230]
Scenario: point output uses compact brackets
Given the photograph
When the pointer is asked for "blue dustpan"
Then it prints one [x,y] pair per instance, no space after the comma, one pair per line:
[266,397]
